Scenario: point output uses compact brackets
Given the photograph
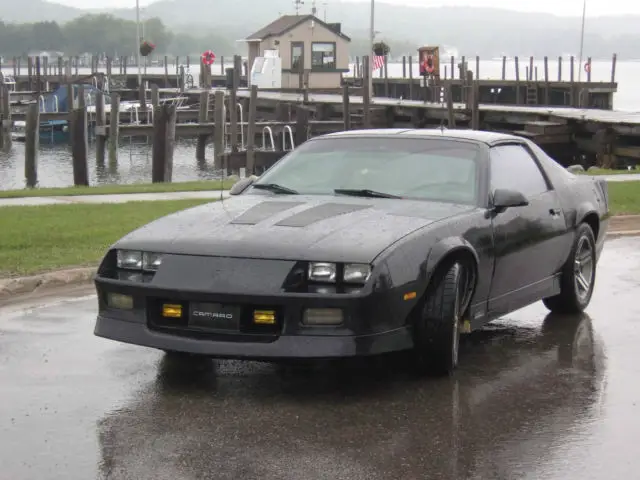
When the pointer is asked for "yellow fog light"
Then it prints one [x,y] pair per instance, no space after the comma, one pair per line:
[264,317]
[172,311]
[117,300]
[322,316]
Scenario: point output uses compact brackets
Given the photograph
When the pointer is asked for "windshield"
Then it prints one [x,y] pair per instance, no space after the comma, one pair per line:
[428,169]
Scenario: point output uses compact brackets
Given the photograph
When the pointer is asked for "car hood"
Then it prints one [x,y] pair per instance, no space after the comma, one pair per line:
[330,228]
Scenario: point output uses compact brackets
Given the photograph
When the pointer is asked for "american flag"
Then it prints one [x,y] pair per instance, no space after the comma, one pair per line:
[378,62]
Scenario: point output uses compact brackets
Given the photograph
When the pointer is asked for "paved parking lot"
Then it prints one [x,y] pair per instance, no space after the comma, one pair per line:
[536,397]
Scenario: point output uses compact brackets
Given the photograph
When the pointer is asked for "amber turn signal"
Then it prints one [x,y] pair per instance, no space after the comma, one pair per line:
[264,317]
[171,311]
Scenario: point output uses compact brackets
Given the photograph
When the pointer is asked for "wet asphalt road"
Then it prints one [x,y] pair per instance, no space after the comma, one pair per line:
[536,397]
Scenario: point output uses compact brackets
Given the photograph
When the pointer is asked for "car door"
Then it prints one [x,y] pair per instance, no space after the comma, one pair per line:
[529,242]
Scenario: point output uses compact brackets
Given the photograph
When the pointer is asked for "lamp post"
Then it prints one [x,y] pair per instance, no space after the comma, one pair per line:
[139,41]
[372,35]
[584,11]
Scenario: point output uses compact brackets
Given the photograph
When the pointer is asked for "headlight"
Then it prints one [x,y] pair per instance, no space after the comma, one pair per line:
[135,260]
[356,273]
[131,260]
[151,261]
[322,272]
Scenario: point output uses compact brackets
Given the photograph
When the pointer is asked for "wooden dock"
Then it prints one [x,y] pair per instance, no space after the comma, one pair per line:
[529,87]
[259,126]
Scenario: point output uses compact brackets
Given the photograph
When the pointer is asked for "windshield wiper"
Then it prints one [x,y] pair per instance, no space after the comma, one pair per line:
[274,187]
[364,193]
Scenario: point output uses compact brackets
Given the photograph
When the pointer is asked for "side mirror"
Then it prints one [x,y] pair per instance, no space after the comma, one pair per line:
[504,198]
[241,185]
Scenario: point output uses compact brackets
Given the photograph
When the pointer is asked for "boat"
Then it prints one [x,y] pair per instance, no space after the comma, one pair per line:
[57,131]
[54,131]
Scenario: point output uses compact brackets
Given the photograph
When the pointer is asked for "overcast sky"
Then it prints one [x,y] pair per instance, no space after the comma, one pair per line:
[559,7]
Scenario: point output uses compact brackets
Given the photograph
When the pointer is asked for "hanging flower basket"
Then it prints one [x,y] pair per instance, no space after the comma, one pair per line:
[381,49]
[146,48]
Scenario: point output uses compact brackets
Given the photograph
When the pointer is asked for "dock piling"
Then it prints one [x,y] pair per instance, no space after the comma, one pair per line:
[203,117]
[475,105]
[518,93]
[346,112]
[251,130]
[530,68]
[302,124]
[572,69]
[5,135]
[164,139]
[79,141]
[386,76]
[218,132]
[367,94]
[101,121]
[613,67]
[32,144]
[114,129]
[410,77]
[166,72]
[560,68]
[233,107]
[142,97]
[451,120]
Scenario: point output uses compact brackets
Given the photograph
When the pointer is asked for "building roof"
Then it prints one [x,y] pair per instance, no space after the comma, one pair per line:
[287,22]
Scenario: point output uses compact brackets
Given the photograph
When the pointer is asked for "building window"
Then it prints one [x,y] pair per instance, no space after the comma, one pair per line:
[323,56]
[297,51]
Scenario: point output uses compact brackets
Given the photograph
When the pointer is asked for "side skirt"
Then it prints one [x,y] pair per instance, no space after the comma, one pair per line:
[483,313]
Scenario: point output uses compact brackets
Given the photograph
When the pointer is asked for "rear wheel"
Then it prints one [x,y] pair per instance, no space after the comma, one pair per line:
[437,330]
[578,275]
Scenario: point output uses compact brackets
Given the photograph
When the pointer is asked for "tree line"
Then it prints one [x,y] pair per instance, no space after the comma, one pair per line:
[105,34]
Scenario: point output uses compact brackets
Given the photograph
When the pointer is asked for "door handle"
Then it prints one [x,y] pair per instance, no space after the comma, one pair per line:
[554,211]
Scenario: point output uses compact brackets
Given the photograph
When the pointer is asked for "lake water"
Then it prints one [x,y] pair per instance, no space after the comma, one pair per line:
[134,165]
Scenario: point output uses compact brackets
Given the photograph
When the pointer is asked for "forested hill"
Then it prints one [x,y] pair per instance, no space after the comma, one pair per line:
[481,31]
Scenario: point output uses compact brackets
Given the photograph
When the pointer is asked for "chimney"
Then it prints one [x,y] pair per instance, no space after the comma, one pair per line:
[336,27]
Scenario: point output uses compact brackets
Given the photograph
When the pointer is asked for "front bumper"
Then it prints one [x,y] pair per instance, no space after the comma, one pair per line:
[374,322]
[282,347]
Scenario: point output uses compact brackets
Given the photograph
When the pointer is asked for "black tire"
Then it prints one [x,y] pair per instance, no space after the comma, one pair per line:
[437,328]
[576,289]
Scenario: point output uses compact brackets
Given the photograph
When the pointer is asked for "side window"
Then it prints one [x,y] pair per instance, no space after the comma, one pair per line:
[513,167]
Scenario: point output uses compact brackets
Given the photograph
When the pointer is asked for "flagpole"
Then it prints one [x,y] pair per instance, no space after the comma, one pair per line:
[139,41]
[372,35]
[584,10]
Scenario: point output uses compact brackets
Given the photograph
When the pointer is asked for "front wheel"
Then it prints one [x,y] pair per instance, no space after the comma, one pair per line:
[437,330]
[578,275]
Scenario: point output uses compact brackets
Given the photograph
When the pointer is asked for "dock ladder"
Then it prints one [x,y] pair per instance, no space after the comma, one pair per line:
[532,94]
[226,130]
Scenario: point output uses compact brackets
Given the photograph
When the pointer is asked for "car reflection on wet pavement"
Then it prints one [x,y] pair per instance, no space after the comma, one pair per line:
[536,396]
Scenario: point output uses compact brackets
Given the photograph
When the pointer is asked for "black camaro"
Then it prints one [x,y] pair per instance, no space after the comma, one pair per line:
[361,243]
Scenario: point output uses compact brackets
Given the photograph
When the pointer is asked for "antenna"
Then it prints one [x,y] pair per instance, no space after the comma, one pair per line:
[297,4]
[313,8]
[324,4]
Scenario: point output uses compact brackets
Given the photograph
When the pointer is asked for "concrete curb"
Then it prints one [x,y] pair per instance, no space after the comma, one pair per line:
[77,276]
[624,233]
[23,285]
